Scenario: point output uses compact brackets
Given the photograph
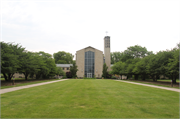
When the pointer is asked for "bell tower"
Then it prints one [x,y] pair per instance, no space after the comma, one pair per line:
[107,54]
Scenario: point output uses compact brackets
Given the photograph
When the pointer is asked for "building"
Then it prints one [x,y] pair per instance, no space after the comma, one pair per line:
[65,67]
[90,60]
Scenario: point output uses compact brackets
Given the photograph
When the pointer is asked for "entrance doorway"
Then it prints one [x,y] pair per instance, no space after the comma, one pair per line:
[89,75]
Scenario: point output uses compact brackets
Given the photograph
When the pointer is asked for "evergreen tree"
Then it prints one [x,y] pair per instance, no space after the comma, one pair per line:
[104,70]
[73,69]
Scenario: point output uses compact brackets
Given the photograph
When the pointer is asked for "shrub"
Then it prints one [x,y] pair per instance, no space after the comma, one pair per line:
[64,77]
[68,75]
[113,77]
[108,76]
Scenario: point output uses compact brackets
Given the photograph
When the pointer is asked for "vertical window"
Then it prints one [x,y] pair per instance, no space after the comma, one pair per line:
[89,63]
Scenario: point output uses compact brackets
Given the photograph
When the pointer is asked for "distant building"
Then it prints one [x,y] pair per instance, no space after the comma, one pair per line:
[90,60]
[65,67]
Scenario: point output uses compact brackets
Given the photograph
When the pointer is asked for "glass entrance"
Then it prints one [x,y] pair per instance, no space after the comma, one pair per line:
[89,64]
[89,75]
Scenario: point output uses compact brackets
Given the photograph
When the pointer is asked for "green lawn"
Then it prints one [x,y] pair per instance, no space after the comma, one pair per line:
[23,84]
[166,80]
[149,83]
[90,98]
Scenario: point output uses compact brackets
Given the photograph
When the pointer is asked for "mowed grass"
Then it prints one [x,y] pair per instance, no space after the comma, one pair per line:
[80,98]
[28,83]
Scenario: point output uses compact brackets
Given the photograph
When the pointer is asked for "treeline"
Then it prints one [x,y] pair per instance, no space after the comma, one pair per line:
[136,62]
[14,58]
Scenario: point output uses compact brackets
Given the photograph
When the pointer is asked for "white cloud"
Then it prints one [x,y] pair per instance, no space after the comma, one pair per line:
[72,25]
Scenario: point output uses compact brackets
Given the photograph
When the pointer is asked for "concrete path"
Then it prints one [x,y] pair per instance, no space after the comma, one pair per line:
[27,86]
[166,88]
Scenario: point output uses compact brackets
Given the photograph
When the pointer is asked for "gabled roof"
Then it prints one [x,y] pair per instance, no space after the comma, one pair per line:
[89,47]
[63,65]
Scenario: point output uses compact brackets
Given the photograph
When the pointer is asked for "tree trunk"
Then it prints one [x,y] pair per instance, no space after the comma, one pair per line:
[9,76]
[6,78]
[153,78]
[174,80]
[26,76]
[121,77]
[136,77]
[143,77]
[157,77]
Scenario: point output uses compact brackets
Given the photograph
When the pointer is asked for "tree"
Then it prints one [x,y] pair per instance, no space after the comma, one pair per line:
[10,59]
[116,57]
[104,70]
[130,65]
[140,68]
[47,65]
[60,72]
[28,64]
[73,69]
[135,52]
[173,66]
[62,57]
[118,69]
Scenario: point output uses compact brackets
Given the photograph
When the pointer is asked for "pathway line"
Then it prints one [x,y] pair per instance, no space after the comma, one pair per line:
[27,86]
[166,88]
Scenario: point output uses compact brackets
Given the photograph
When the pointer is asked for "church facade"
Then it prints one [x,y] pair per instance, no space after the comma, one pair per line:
[90,60]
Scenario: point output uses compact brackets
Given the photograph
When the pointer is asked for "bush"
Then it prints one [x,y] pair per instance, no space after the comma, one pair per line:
[108,76]
[64,77]
[68,75]
[113,77]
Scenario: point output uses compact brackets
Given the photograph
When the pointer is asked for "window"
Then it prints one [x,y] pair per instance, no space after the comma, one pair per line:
[63,68]
[20,73]
[89,63]
[68,68]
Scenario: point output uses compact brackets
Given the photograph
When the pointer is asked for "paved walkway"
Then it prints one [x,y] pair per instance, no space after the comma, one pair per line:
[27,86]
[166,88]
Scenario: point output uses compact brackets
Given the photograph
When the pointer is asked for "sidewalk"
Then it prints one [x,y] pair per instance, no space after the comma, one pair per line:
[166,88]
[27,86]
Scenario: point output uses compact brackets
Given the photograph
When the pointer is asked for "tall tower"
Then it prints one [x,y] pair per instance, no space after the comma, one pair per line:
[107,53]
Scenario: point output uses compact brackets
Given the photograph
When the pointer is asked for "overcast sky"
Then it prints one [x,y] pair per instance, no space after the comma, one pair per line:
[71,25]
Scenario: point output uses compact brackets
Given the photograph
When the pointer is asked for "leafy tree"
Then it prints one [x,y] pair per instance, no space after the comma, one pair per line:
[62,57]
[152,67]
[130,65]
[116,57]
[73,69]
[104,72]
[140,68]
[173,66]
[119,68]
[131,53]
[47,65]
[60,71]
[136,52]
[10,59]
[28,64]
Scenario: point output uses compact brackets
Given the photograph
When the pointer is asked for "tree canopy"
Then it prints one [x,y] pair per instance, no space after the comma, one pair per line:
[62,57]
[14,58]
[136,62]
